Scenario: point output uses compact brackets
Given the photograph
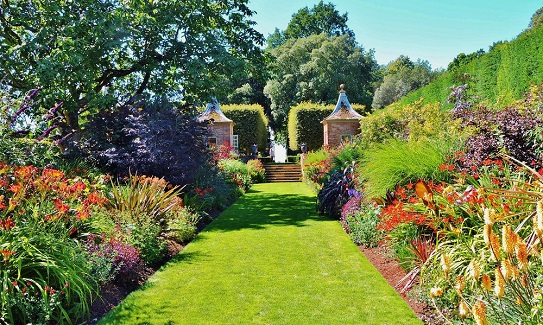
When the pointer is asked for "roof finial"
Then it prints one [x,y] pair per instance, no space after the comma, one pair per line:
[341,91]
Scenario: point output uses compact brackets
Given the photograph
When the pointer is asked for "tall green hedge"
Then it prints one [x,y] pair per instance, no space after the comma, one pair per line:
[502,75]
[251,125]
[304,124]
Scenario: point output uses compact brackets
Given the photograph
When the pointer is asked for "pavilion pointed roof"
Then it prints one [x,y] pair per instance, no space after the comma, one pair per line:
[343,110]
[213,112]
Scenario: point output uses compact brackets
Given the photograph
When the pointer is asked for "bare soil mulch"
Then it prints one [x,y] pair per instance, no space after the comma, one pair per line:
[391,270]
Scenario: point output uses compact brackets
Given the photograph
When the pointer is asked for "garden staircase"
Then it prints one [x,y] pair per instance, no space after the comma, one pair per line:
[287,172]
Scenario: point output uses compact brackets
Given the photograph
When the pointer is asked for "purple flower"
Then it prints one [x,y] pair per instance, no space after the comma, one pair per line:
[46,132]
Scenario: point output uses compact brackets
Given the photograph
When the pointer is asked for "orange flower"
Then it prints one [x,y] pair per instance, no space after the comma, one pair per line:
[522,255]
[8,224]
[499,285]
[2,205]
[60,206]
[15,188]
[6,254]
[479,313]
[486,283]
[509,239]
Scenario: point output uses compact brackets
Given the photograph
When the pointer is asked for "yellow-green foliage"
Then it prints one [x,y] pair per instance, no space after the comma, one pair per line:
[415,122]
[251,125]
[304,124]
[502,75]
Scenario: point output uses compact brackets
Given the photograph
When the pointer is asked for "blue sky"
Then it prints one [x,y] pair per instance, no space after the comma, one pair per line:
[433,30]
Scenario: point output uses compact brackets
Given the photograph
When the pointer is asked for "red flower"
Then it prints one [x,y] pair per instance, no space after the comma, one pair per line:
[8,224]
[60,206]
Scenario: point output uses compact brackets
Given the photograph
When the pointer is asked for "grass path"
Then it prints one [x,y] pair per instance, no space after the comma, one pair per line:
[268,259]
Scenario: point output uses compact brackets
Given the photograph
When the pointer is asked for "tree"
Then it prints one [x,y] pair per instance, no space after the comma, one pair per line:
[91,54]
[537,19]
[402,76]
[322,18]
[312,68]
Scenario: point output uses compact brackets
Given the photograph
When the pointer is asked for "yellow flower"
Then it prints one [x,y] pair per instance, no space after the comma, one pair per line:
[487,233]
[436,292]
[463,309]
[474,270]
[522,255]
[460,284]
[509,239]
[506,269]
[499,284]
[479,313]
[488,216]
[446,263]
[486,283]
[495,247]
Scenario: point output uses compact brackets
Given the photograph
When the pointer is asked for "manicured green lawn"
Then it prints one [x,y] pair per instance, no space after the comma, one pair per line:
[268,259]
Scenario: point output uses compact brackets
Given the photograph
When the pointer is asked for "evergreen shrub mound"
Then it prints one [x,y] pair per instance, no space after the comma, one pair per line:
[148,139]
[251,125]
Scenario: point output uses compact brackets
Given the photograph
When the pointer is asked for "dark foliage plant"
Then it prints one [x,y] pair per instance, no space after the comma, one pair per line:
[506,130]
[337,192]
[148,139]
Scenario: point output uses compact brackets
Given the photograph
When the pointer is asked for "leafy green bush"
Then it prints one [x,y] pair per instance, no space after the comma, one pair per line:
[256,171]
[363,226]
[251,125]
[501,76]
[317,165]
[182,225]
[237,172]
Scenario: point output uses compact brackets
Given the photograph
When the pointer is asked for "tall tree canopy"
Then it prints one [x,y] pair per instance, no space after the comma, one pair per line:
[92,54]
[322,18]
[537,19]
[401,77]
[312,68]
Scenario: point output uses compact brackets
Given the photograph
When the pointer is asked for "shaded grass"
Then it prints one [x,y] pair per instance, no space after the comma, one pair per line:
[268,259]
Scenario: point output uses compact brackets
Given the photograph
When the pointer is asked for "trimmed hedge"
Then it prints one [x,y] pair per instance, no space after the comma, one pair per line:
[304,124]
[251,125]
[502,75]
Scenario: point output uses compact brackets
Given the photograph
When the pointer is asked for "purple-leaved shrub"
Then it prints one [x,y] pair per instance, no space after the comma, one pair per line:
[148,139]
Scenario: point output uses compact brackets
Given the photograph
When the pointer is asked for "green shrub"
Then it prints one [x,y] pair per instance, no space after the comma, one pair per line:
[316,167]
[237,172]
[182,225]
[304,125]
[251,125]
[363,226]
[256,171]
[502,75]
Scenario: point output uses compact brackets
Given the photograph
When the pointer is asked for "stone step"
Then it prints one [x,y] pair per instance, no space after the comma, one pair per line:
[283,172]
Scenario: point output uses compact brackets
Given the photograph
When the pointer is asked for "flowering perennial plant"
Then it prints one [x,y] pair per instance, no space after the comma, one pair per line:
[43,214]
